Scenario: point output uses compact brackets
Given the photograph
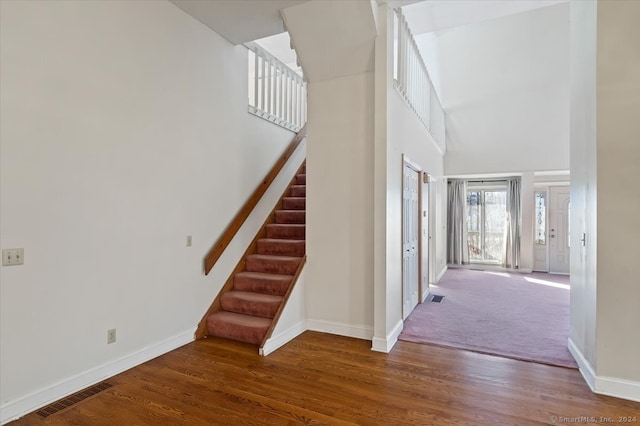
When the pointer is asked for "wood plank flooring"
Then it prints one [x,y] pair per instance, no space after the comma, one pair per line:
[325,379]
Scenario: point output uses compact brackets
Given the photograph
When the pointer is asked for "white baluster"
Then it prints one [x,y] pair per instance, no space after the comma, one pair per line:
[263,89]
[256,79]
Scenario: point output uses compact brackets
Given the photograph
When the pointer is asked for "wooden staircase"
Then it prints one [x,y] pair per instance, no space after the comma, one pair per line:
[249,304]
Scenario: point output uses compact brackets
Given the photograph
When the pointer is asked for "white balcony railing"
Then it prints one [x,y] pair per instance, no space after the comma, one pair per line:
[276,92]
[414,84]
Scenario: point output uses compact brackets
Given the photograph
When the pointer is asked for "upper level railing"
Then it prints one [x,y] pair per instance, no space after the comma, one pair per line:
[276,92]
[414,84]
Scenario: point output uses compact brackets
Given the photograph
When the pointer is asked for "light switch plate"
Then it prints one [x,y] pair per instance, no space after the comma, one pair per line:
[12,257]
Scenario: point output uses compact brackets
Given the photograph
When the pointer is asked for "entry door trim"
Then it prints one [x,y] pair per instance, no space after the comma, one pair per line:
[555,233]
[415,167]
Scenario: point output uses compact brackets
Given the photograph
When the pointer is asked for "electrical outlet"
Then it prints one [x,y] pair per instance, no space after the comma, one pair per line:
[11,257]
[188,240]
[111,336]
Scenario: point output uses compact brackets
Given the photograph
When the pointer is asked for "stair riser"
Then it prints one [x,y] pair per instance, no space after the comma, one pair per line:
[246,312]
[231,331]
[297,203]
[272,267]
[264,310]
[277,288]
[281,248]
[286,232]
[298,191]
[290,216]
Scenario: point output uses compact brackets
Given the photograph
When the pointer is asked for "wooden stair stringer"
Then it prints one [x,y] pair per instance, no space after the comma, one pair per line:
[285,299]
[201,330]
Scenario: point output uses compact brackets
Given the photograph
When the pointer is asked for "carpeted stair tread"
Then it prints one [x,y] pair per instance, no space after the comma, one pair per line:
[250,303]
[290,216]
[244,328]
[294,203]
[293,231]
[286,265]
[298,191]
[280,247]
[260,282]
[246,311]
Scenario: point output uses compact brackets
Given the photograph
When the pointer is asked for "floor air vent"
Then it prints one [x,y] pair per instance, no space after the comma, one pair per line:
[436,299]
[72,399]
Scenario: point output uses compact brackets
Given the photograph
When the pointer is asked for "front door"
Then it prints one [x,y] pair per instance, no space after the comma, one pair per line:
[410,239]
[559,208]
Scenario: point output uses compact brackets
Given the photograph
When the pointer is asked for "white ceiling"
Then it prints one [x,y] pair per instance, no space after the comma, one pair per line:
[433,15]
[504,84]
[239,21]
[279,45]
[333,38]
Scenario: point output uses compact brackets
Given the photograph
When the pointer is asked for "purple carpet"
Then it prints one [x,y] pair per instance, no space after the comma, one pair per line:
[521,316]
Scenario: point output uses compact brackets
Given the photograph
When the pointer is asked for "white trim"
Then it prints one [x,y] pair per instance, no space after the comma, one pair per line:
[619,388]
[380,344]
[272,119]
[603,385]
[584,366]
[546,185]
[441,273]
[341,329]
[17,408]
[412,164]
[275,342]
[489,267]
[425,294]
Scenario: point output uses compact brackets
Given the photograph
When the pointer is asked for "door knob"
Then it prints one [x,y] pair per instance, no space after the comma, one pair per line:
[552,236]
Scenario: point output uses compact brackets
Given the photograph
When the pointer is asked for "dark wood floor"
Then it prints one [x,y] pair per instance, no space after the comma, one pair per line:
[325,379]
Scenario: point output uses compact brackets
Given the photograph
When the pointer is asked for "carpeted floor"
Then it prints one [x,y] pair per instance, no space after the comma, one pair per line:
[521,316]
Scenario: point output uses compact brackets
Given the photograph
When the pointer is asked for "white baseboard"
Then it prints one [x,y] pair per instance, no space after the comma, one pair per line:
[585,368]
[425,295]
[380,344]
[603,385]
[286,336]
[441,273]
[15,409]
[619,388]
[341,329]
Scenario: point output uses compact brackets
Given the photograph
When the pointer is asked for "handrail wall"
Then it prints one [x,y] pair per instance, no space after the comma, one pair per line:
[231,230]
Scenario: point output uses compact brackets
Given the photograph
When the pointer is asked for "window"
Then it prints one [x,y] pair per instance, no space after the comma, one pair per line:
[486,218]
[541,218]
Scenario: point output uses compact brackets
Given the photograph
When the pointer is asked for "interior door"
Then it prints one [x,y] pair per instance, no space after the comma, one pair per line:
[410,239]
[559,207]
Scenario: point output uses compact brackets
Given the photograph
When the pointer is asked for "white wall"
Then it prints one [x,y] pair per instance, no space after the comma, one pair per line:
[504,86]
[583,180]
[618,170]
[340,205]
[605,103]
[398,131]
[124,129]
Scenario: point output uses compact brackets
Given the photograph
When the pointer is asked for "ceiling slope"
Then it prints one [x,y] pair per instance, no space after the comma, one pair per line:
[239,21]
[505,90]
[333,39]
[434,15]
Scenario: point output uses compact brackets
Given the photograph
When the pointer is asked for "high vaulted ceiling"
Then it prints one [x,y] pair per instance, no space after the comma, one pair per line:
[434,15]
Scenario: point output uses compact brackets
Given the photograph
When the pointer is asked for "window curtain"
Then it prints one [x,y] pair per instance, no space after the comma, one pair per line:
[457,248]
[513,226]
